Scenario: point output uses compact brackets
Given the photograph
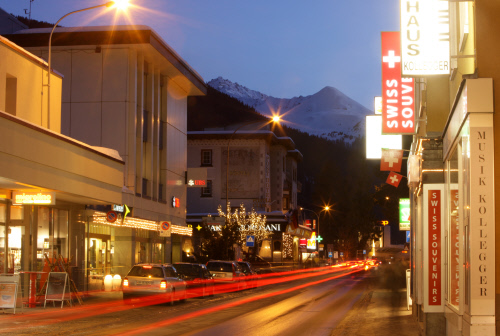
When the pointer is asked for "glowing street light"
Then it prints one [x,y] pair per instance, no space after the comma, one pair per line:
[119,4]
[325,208]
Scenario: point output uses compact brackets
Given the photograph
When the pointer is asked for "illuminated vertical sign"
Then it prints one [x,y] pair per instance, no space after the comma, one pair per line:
[434,272]
[404,214]
[425,37]
[398,94]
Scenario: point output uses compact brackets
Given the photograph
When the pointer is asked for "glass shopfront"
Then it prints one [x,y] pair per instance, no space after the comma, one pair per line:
[457,177]
[52,235]
[99,257]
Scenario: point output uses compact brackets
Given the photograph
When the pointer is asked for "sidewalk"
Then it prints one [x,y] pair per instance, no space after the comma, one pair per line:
[379,312]
[89,299]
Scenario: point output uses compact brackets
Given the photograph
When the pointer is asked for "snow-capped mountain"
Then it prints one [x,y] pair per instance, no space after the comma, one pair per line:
[328,113]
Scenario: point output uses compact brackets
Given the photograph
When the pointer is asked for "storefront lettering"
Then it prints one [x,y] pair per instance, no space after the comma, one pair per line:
[434,208]
[482,170]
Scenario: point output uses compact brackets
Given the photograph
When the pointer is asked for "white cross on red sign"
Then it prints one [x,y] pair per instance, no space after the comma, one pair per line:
[398,94]
[391,59]
[391,160]
[394,179]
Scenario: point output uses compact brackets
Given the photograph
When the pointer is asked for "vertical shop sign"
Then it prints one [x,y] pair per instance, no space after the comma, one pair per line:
[482,222]
[455,249]
[398,94]
[434,247]
[425,37]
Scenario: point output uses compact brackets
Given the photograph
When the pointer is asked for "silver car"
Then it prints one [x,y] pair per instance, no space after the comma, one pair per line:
[160,280]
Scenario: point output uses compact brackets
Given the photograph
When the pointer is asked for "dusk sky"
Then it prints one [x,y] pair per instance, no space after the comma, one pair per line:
[282,48]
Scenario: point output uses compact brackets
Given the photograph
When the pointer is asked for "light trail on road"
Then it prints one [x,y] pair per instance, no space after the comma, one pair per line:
[75,313]
[206,311]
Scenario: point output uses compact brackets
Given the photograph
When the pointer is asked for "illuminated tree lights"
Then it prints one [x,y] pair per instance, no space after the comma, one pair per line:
[287,245]
[245,224]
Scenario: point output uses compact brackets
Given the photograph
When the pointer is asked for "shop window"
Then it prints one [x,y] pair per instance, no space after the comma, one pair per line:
[16,212]
[265,249]
[52,237]
[206,158]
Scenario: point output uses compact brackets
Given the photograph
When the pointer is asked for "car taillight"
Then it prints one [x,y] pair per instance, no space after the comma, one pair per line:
[163,284]
[125,282]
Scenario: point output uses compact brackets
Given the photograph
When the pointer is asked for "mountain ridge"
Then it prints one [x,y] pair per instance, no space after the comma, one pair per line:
[327,113]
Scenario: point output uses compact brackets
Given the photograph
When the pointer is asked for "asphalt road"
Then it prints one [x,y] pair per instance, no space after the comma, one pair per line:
[312,303]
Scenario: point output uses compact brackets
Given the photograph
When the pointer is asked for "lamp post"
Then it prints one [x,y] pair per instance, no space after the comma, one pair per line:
[118,3]
[275,119]
[326,208]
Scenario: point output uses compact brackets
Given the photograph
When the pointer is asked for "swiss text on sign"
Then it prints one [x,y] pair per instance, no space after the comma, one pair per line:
[434,241]
[398,106]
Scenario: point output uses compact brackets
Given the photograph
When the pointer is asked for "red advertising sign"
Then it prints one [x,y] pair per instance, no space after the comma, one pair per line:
[455,248]
[434,241]
[398,94]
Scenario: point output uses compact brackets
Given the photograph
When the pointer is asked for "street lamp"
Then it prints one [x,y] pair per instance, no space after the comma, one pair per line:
[120,4]
[274,119]
[326,208]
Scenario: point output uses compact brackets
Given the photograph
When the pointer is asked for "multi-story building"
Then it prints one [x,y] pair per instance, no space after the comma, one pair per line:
[262,175]
[452,169]
[125,89]
[46,179]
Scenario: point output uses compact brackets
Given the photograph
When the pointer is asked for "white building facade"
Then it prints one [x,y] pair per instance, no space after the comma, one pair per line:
[125,89]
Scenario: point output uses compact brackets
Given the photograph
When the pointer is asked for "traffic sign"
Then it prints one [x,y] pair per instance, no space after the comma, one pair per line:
[111,216]
[330,254]
[250,241]
[165,229]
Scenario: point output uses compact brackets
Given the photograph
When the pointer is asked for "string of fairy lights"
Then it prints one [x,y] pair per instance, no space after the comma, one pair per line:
[139,223]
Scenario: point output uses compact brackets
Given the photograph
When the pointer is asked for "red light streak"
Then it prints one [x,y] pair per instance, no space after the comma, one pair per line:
[80,312]
[226,306]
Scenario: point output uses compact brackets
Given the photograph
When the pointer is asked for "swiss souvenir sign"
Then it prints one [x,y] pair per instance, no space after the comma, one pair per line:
[398,94]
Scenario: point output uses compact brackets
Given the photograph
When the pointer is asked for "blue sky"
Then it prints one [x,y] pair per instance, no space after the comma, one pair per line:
[282,48]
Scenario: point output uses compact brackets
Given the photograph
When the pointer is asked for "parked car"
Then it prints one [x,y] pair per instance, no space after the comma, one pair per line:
[251,275]
[227,272]
[154,279]
[258,263]
[200,281]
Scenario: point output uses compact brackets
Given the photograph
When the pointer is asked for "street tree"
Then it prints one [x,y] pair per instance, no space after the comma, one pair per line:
[245,224]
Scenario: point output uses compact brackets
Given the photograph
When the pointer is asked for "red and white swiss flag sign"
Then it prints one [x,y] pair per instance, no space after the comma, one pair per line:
[394,179]
[391,160]
[398,94]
